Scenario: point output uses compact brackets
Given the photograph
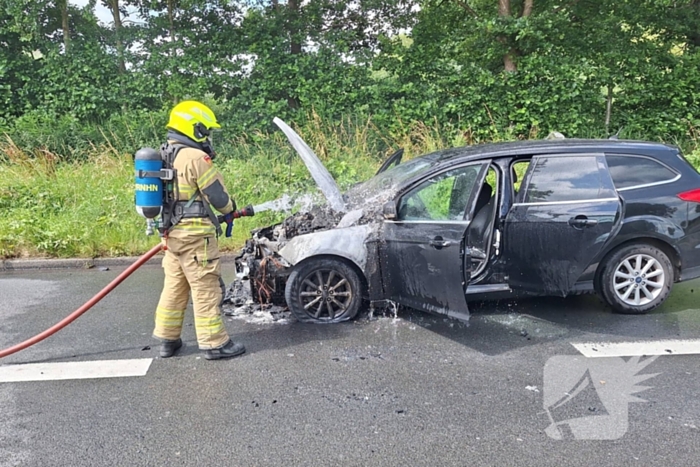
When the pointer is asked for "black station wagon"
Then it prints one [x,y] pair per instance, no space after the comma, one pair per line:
[551,217]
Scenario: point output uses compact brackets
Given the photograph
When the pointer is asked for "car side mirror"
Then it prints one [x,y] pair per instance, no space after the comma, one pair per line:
[389,211]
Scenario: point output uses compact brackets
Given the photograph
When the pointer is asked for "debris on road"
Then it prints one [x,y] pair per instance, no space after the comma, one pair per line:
[239,304]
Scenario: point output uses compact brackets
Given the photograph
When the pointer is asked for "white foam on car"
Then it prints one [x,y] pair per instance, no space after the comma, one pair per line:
[254,314]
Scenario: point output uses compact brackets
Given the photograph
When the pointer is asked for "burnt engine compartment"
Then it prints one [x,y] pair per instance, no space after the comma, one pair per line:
[262,268]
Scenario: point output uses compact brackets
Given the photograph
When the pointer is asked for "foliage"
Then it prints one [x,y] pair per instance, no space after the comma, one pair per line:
[583,68]
[380,74]
[567,57]
[83,205]
[56,206]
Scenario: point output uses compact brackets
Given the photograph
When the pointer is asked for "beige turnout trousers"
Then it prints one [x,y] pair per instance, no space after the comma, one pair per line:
[191,265]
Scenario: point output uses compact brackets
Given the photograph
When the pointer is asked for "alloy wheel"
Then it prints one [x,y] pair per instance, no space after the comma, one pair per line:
[638,279]
[326,293]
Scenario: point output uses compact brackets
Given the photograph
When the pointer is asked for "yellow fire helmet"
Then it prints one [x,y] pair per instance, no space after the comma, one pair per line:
[193,119]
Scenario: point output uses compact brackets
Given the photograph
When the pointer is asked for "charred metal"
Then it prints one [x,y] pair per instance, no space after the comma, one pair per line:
[268,255]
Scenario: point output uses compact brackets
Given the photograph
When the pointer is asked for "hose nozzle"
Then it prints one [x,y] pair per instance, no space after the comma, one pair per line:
[247,211]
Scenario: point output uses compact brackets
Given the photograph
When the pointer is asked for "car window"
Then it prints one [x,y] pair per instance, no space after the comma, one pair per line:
[517,171]
[390,179]
[443,197]
[557,179]
[636,171]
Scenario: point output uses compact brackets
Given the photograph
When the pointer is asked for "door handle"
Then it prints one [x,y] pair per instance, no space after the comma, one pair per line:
[579,222]
[438,243]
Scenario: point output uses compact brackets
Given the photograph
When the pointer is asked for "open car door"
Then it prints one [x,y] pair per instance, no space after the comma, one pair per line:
[425,261]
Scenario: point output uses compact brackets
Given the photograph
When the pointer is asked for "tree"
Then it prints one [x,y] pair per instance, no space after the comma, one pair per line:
[118,32]
[487,68]
[314,55]
[530,65]
[188,47]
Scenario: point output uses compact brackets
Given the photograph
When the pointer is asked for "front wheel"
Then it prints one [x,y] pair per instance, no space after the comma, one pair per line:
[636,279]
[323,290]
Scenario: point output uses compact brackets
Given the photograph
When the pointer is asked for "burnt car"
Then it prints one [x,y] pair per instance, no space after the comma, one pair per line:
[550,217]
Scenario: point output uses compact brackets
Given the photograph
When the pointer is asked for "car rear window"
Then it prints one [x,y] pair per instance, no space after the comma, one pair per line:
[558,179]
[637,171]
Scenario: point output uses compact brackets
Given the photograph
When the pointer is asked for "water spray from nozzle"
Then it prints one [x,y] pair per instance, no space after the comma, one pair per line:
[286,203]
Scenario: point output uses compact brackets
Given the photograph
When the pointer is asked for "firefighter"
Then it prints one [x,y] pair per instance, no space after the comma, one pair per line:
[191,263]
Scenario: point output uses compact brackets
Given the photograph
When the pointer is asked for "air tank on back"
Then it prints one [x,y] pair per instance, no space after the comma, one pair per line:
[149,188]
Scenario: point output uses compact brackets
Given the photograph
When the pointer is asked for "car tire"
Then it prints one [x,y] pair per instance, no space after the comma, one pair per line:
[635,279]
[323,290]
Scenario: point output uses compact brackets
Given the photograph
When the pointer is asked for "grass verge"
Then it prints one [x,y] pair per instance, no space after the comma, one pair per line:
[65,206]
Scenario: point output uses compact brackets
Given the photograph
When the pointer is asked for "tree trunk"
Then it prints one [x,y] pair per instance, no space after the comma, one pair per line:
[63,5]
[295,45]
[171,30]
[293,24]
[118,32]
[509,62]
[608,109]
[527,8]
[509,58]
[171,21]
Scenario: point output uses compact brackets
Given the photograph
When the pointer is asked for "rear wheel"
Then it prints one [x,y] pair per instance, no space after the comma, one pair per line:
[324,290]
[636,279]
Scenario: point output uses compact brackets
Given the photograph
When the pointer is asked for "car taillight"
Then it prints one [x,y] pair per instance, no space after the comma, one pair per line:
[692,195]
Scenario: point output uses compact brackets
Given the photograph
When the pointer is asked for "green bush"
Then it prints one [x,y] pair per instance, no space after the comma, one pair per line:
[66,190]
[74,197]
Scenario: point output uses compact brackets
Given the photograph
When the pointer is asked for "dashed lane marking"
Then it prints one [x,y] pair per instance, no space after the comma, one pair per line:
[74,370]
[640,348]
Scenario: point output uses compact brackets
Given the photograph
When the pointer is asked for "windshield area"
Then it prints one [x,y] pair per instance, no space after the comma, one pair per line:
[390,179]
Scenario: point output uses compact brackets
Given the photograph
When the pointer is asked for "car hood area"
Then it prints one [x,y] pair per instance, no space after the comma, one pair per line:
[340,227]
[346,221]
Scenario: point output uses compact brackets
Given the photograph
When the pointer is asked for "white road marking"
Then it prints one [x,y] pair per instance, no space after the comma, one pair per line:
[74,370]
[640,348]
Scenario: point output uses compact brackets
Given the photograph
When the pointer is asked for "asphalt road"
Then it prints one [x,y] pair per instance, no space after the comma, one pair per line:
[416,390]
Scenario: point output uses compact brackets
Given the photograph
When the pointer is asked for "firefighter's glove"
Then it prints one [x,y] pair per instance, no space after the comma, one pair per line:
[228,218]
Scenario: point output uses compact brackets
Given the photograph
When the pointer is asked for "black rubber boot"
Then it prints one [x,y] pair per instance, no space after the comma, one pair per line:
[168,348]
[227,350]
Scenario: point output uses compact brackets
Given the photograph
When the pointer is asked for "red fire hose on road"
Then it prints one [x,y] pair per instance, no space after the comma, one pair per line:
[77,313]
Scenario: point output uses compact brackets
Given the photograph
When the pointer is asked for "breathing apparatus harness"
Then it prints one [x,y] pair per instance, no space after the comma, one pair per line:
[157,192]
[193,208]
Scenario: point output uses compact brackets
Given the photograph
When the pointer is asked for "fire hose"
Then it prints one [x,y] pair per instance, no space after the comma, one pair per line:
[150,177]
[89,304]
[247,211]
